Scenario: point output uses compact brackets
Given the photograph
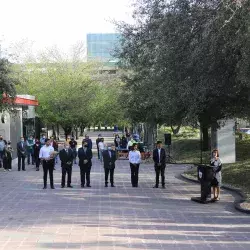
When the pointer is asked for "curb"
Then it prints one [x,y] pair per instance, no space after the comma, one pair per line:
[237,202]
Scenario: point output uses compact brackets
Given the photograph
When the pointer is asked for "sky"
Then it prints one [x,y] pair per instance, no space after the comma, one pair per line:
[58,22]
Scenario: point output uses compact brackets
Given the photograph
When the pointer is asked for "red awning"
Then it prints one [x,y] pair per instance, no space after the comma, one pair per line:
[25,102]
[20,101]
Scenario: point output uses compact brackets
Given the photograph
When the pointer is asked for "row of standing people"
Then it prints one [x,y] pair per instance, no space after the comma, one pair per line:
[109,156]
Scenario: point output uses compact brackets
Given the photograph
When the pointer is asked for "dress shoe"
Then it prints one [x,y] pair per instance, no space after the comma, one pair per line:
[45,187]
[24,169]
[113,185]
[37,169]
[69,186]
[52,187]
[155,186]
[62,186]
[106,185]
[88,186]
[82,186]
[163,187]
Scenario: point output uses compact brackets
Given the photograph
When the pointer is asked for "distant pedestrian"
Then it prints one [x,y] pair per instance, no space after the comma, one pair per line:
[36,149]
[2,147]
[117,141]
[54,144]
[21,153]
[73,146]
[89,141]
[42,140]
[130,144]
[216,182]
[159,157]
[97,146]
[7,160]
[47,158]
[101,146]
[30,150]
[134,160]
[124,142]
[85,163]
[66,156]
[109,159]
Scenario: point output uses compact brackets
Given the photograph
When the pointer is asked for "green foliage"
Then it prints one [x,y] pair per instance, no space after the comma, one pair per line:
[71,94]
[8,80]
[186,60]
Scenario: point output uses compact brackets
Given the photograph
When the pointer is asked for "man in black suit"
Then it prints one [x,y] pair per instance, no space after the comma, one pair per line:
[159,157]
[21,153]
[85,163]
[66,156]
[109,159]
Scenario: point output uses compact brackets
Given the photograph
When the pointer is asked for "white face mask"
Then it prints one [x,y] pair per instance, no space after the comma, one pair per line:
[67,147]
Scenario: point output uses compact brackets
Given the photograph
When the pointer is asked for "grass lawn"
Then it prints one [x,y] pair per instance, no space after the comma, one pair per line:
[185,146]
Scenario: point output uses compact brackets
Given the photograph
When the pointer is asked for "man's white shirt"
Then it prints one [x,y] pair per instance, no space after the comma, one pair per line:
[101,145]
[45,152]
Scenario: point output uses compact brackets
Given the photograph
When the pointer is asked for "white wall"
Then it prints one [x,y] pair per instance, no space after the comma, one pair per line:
[226,141]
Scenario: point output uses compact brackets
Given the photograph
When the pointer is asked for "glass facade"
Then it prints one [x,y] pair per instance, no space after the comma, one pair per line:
[100,47]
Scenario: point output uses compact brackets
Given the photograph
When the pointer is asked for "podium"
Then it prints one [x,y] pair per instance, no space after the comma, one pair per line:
[205,175]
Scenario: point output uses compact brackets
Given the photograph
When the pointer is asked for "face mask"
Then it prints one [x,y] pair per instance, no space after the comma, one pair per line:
[109,148]
[43,137]
[67,147]
[1,139]
[22,140]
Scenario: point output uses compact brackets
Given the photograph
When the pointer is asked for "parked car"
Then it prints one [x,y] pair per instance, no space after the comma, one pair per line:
[244,130]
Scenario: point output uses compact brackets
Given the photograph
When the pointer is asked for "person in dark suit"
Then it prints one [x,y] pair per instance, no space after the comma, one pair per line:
[159,157]
[85,163]
[109,159]
[21,153]
[36,150]
[89,141]
[66,156]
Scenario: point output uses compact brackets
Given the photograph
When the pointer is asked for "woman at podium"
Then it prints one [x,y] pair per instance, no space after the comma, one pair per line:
[216,182]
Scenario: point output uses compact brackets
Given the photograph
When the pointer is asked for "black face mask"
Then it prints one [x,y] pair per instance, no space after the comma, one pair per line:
[1,139]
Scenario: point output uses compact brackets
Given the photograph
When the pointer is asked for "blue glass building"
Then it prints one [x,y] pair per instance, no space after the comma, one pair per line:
[100,47]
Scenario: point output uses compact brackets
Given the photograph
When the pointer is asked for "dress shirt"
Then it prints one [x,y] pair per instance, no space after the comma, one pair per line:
[45,152]
[159,153]
[101,145]
[134,157]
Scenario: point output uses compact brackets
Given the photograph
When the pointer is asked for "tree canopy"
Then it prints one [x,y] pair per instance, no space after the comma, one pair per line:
[186,60]
[8,81]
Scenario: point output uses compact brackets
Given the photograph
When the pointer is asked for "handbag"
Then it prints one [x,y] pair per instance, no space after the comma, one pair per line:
[214,182]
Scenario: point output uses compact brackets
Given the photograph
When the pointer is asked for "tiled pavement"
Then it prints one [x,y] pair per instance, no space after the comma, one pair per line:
[115,218]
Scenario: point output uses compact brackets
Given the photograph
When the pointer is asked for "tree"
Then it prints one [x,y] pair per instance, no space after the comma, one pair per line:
[184,61]
[71,93]
[8,81]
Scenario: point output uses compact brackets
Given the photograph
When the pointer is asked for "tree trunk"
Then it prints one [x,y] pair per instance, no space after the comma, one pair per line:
[82,130]
[205,141]
[214,137]
[176,130]
[77,137]
[150,134]
[58,131]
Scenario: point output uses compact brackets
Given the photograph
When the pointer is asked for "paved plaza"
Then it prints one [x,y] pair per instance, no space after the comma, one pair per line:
[117,218]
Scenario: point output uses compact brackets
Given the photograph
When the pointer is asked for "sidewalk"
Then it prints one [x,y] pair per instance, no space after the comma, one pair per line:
[115,218]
